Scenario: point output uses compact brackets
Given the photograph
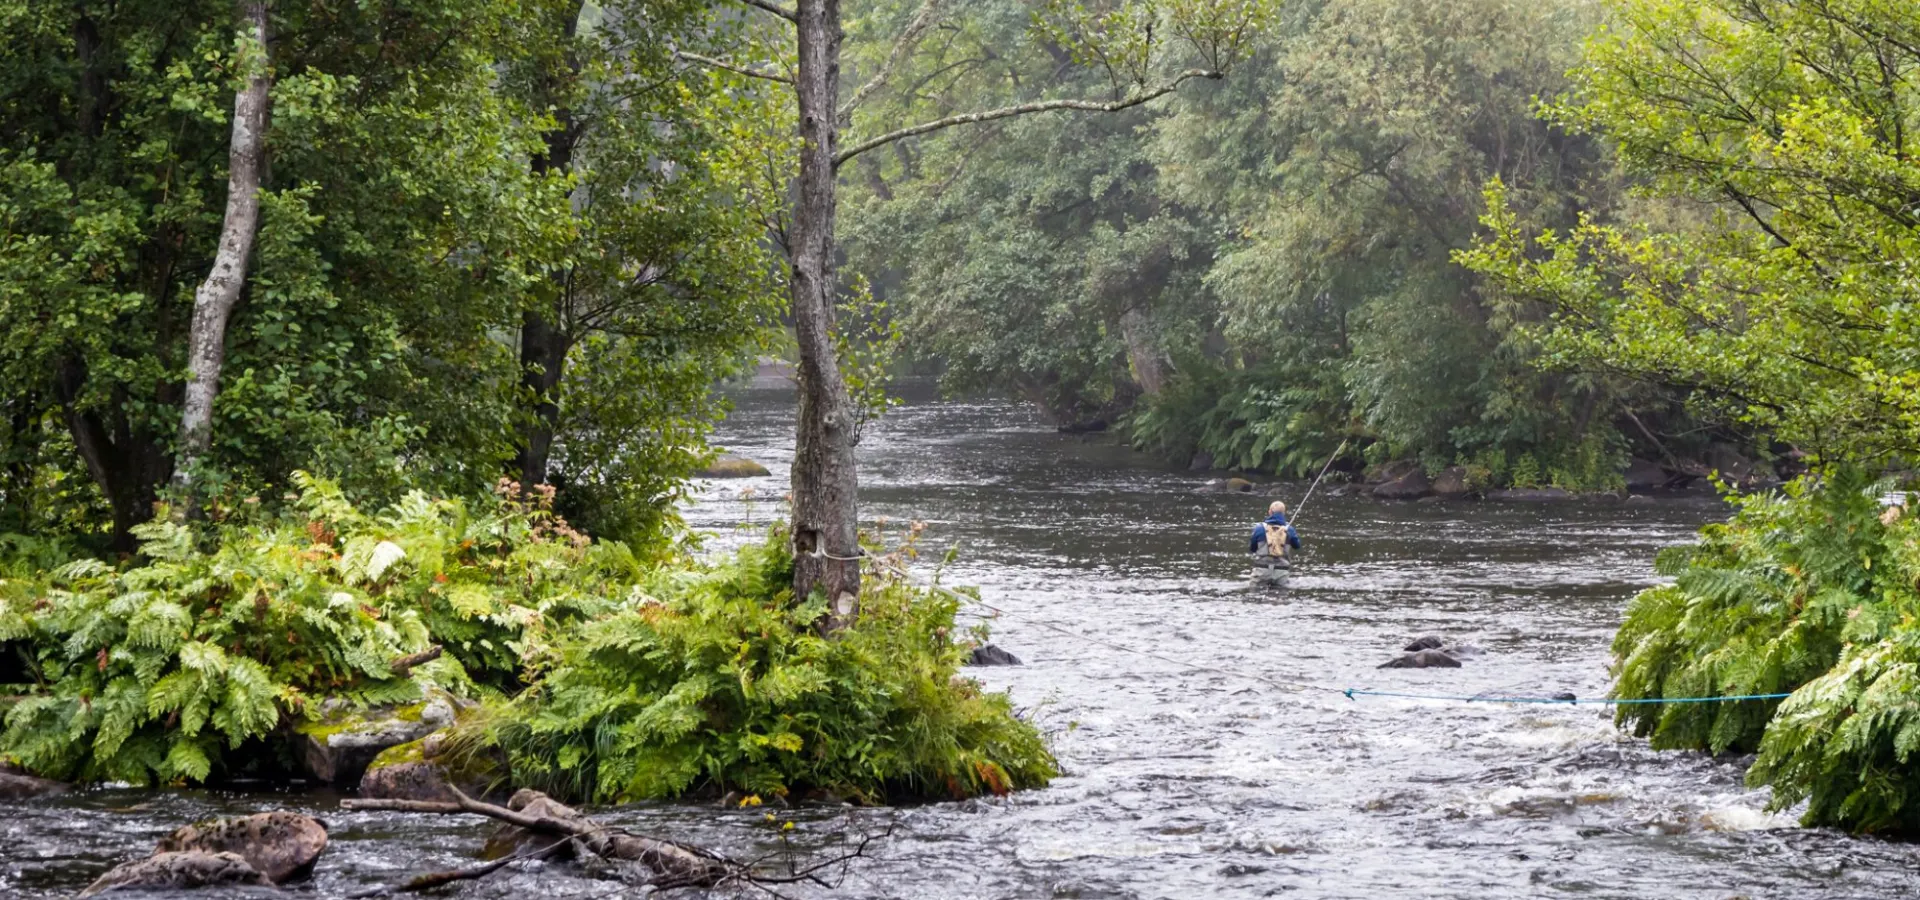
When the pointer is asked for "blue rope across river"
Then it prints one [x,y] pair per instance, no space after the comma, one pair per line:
[1356,692]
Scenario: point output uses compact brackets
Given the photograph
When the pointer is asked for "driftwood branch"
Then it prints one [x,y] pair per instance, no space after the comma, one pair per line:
[903,45]
[731,67]
[671,864]
[670,861]
[401,665]
[775,8]
[430,880]
[1131,100]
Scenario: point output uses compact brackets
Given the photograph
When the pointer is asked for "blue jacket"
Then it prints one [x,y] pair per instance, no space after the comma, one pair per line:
[1260,533]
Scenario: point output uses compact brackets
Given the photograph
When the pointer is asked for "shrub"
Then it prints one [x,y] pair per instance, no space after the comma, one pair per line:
[1810,591]
[719,681]
[152,671]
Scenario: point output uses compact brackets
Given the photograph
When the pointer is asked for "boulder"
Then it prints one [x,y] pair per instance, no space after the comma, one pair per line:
[1201,462]
[15,786]
[991,655]
[1411,486]
[1451,484]
[280,845]
[1530,495]
[727,465]
[1425,642]
[1644,475]
[179,871]
[338,748]
[1225,486]
[512,840]
[1090,426]
[1424,659]
[1391,471]
[424,770]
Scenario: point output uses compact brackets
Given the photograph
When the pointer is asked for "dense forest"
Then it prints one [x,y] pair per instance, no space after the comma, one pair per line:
[359,355]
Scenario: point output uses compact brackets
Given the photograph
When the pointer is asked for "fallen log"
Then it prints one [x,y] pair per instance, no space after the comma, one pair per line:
[669,863]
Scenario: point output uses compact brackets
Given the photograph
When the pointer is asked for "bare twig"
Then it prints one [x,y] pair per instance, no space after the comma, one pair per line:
[1131,100]
[404,664]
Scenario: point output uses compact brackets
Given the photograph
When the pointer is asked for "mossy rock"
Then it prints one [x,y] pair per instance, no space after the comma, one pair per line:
[340,747]
[426,770]
[727,465]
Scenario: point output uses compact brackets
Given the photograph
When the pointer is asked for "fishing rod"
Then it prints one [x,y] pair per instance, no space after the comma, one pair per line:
[1302,508]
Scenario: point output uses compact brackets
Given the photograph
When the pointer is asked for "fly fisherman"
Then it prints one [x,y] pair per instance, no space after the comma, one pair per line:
[1272,540]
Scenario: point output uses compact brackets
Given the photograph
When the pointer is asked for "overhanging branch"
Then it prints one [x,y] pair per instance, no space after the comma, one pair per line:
[909,38]
[775,8]
[1131,100]
[731,67]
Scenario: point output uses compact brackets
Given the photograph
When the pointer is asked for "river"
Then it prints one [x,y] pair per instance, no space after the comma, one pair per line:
[1185,782]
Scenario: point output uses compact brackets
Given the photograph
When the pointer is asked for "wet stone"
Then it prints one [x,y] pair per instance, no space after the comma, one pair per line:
[1424,659]
[282,846]
[991,655]
[1425,642]
[179,871]
[15,786]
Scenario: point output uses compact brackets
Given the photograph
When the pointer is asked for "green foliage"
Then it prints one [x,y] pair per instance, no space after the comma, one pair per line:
[153,671]
[1767,263]
[717,680]
[1261,267]
[1812,592]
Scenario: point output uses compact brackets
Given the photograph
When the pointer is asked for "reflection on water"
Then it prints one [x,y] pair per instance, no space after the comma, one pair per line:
[1184,783]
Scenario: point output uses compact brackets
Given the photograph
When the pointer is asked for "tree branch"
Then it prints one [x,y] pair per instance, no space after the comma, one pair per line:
[909,38]
[741,70]
[775,8]
[1131,100]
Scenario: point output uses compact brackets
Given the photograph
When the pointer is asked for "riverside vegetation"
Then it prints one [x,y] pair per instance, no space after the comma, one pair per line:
[600,677]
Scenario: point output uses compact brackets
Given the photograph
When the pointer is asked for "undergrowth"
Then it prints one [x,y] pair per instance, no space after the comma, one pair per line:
[1810,591]
[604,678]
[719,681]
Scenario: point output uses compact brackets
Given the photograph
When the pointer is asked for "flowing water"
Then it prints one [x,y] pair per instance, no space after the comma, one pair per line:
[1184,782]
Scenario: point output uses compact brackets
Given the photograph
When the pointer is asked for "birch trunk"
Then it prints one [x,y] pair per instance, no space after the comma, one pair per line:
[825,484]
[214,301]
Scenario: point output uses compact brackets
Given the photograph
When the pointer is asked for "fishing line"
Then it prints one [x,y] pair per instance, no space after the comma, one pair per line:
[1300,510]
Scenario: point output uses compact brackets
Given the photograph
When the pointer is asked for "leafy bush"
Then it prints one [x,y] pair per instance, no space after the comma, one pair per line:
[719,681]
[1270,420]
[152,671]
[1811,591]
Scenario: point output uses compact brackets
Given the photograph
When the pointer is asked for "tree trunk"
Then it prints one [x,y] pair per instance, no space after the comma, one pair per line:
[543,358]
[825,486]
[214,301]
[543,345]
[128,466]
[1147,364]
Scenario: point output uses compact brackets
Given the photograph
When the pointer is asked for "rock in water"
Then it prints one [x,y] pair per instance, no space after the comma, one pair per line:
[280,845]
[178,871]
[20,786]
[727,465]
[1425,642]
[990,655]
[1411,486]
[426,770]
[1424,659]
[1451,484]
[338,748]
[1531,495]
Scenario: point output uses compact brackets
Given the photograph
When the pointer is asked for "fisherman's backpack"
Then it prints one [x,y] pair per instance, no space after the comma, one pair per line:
[1276,540]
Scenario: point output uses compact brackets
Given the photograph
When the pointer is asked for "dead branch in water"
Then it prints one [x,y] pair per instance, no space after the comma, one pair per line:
[430,880]
[670,864]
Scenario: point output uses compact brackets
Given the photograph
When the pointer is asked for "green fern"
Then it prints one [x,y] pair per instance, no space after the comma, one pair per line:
[1810,591]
